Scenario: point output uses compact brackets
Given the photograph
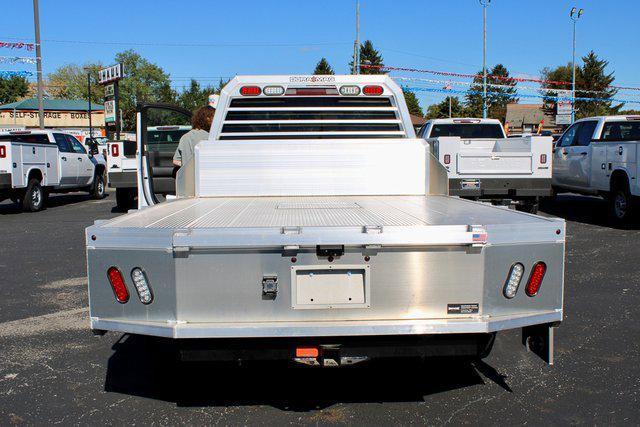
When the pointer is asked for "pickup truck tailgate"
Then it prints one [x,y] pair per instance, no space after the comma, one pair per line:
[494,163]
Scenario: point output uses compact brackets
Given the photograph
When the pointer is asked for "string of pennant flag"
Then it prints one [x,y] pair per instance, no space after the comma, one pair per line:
[11,73]
[17,45]
[552,98]
[17,60]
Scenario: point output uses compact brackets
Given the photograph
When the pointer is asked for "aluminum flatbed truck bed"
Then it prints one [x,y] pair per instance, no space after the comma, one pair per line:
[314,226]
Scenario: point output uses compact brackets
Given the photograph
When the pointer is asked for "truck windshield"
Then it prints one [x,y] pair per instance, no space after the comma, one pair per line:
[467,131]
[37,138]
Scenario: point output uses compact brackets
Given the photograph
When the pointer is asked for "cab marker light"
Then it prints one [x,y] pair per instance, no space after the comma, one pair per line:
[273,90]
[117,284]
[142,285]
[513,280]
[250,90]
[349,90]
[374,90]
[535,279]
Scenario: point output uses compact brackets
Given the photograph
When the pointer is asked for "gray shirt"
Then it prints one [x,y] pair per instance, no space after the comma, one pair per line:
[188,143]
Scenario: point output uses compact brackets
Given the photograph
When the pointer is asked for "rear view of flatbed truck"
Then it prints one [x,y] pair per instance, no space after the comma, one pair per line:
[312,225]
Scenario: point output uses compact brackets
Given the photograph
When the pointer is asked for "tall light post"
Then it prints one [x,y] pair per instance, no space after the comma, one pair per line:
[485,4]
[356,47]
[574,17]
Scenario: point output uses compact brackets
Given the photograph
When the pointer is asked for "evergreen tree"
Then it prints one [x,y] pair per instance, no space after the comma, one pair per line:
[591,76]
[412,103]
[196,96]
[441,109]
[13,88]
[369,56]
[497,97]
[323,67]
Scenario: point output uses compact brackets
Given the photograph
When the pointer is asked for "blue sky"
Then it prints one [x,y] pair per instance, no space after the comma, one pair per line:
[250,36]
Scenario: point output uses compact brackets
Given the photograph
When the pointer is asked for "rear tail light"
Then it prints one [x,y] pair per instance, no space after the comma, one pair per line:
[349,90]
[3,151]
[115,150]
[513,280]
[250,90]
[142,285]
[118,285]
[447,159]
[543,159]
[535,279]
[273,90]
[372,90]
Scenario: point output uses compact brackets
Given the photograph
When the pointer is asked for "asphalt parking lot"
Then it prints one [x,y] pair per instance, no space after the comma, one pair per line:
[53,371]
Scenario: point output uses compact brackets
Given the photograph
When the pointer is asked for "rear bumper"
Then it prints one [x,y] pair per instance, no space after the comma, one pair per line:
[502,187]
[122,179]
[327,329]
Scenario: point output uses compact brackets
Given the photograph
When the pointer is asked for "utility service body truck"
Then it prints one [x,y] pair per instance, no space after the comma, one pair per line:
[599,156]
[482,163]
[35,163]
[313,225]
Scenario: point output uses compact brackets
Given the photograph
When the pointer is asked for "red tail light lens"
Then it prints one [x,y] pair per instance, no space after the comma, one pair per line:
[250,90]
[115,150]
[3,151]
[372,90]
[543,158]
[447,159]
[535,279]
[118,285]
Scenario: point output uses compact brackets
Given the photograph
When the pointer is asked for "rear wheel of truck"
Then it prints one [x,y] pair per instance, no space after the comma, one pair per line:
[125,198]
[34,197]
[98,188]
[621,203]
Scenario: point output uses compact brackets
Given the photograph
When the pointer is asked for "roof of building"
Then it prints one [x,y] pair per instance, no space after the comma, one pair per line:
[417,120]
[53,105]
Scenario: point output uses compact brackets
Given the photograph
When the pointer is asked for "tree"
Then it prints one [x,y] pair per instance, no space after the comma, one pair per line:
[143,82]
[369,57]
[592,81]
[497,97]
[196,96]
[441,110]
[13,88]
[70,82]
[412,103]
[323,67]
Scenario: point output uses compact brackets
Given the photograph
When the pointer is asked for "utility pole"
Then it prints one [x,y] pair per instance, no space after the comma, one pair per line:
[485,4]
[36,24]
[356,50]
[89,96]
[449,106]
[574,17]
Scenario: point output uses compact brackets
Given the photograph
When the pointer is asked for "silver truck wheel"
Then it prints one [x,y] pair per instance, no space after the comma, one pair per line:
[621,204]
[98,189]
[33,200]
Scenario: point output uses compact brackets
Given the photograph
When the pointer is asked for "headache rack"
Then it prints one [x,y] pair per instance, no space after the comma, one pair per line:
[312,117]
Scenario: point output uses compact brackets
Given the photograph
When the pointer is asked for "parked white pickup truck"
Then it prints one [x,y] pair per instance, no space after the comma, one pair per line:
[483,163]
[599,156]
[35,163]
[313,225]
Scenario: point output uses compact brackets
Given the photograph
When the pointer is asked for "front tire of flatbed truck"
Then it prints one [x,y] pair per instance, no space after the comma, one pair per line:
[34,197]
[98,186]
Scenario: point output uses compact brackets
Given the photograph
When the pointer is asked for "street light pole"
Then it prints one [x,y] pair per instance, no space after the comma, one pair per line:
[356,52]
[485,4]
[89,96]
[36,24]
[574,17]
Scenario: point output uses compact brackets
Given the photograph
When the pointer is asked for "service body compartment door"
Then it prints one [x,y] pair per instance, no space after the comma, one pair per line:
[494,164]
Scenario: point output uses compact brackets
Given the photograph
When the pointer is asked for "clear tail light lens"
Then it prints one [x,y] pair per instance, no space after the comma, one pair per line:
[250,90]
[513,280]
[273,90]
[118,285]
[543,159]
[142,285]
[535,279]
[349,90]
[372,90]
[447,159]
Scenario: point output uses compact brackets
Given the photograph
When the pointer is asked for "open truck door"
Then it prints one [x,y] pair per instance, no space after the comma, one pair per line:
[159,128]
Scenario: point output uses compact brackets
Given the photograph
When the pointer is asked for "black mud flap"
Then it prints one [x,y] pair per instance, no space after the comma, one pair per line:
[538,339]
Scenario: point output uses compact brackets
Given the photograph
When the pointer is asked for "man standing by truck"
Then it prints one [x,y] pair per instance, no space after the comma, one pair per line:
[201,123]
